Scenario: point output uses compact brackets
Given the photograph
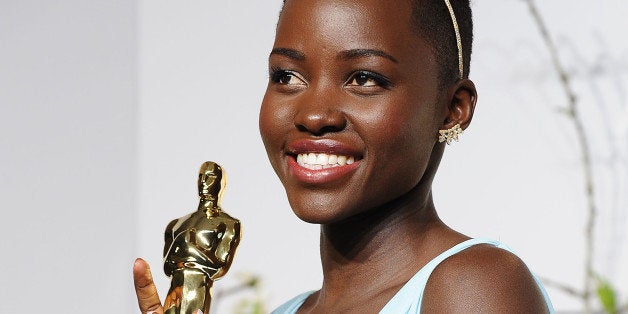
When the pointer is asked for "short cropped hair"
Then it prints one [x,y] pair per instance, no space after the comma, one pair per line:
[431,20]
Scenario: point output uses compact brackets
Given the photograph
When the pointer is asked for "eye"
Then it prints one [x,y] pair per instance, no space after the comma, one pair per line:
[286,77]
[367,79]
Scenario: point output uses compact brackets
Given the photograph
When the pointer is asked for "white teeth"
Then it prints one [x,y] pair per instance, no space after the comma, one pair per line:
[342,160]
[320,161]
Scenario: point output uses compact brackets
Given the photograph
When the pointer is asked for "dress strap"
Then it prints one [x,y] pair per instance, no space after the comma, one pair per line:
[409,298]
[293,305]
[411,294]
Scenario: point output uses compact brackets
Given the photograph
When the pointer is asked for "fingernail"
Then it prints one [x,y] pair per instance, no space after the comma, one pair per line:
[199,312]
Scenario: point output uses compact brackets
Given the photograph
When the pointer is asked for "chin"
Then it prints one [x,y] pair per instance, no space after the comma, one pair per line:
[319,210]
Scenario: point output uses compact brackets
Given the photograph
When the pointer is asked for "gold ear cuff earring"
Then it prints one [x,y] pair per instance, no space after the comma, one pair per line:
[450,135]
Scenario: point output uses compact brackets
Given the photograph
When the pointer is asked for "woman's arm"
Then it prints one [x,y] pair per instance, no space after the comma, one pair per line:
[483,279]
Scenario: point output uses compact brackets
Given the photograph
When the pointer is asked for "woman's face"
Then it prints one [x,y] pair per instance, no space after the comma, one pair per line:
[352,109]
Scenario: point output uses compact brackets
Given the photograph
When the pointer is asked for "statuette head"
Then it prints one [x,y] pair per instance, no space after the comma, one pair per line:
[211,182]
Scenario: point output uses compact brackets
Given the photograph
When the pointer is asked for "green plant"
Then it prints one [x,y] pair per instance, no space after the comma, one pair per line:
[594,284]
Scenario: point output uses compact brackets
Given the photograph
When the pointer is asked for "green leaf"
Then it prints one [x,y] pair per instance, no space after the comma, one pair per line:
[250,306]
[607,296]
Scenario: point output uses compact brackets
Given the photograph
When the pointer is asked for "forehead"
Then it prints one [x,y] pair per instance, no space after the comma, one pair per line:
[347,23]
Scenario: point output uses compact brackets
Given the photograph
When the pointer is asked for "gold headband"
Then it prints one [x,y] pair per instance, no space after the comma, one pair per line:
[458,39]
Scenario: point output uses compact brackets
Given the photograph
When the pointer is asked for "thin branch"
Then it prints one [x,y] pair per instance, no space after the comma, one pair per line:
[576,119]
[232,290]
[247,284]
[562,287]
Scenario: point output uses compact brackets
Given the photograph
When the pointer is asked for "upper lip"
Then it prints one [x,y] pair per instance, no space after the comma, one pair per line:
[327,146]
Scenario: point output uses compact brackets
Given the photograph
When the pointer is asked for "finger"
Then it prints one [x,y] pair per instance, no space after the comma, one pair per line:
[145,289]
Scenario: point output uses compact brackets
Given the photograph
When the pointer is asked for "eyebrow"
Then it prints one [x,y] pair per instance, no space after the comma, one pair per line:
[290,53]
[360,53]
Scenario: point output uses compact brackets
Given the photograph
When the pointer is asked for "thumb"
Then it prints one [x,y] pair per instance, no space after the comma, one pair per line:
[145,289]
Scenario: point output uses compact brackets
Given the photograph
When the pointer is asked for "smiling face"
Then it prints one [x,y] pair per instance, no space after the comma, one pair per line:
[352,110]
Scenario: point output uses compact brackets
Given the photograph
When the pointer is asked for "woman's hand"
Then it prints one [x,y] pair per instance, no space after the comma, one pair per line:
[145,289]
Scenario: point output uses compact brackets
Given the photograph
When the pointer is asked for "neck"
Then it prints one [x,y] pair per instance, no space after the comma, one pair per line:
[208,204]
[396,237]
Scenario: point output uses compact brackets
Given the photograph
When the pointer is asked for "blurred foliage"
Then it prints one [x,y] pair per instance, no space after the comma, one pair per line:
[606,295]
[594,284]
[249,289]
[250,306]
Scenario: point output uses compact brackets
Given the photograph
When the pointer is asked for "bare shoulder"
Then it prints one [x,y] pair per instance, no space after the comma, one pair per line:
[483,279]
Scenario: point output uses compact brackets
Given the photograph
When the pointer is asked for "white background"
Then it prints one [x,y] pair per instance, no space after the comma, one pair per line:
[107,108]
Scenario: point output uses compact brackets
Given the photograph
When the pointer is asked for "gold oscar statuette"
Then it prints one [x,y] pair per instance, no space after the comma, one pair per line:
[200,246]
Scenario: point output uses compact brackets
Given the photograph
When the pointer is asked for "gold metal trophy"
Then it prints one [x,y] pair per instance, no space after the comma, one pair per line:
[200,246]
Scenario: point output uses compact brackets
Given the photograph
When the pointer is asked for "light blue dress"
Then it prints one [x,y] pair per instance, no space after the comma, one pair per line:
[409,297]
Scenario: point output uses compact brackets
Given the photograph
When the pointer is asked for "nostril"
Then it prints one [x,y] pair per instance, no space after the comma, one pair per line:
[320,129]
[329,129]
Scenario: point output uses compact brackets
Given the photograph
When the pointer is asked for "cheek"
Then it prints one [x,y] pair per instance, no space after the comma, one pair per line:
[275,121]
[272,119]
[268,129]
[400,131]
[402,146]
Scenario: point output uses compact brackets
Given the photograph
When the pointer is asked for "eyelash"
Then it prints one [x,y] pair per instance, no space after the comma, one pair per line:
[276,74]
[380,80]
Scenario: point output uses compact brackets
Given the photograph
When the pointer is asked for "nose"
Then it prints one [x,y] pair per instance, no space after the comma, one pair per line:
[319,115]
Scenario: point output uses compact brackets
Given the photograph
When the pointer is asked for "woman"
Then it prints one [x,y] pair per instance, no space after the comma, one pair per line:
[359,92]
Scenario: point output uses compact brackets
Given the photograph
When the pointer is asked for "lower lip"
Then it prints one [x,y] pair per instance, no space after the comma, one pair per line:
[320,176]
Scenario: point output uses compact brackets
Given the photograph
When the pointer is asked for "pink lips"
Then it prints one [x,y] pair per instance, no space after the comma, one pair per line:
[320,176]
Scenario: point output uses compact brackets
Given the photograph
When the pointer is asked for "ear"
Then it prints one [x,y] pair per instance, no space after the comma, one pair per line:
[462,99]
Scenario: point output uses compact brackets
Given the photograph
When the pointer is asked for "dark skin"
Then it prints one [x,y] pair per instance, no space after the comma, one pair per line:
[355,74]
[385,203]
